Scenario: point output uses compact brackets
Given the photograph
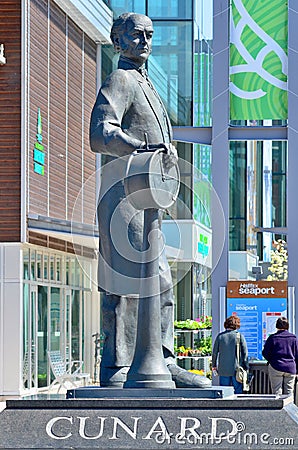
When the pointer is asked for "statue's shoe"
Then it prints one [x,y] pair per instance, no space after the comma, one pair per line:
[113,377]
[185,379]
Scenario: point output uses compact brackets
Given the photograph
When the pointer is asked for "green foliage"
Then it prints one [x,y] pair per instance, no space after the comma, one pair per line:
[204,345]
[201,323]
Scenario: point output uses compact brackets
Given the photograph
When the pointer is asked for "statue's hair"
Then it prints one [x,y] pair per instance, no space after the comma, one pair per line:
[118,26]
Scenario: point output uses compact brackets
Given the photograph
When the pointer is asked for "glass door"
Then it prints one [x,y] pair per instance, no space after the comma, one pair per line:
[42,336]
[66,338]
[29,337]
[55,318]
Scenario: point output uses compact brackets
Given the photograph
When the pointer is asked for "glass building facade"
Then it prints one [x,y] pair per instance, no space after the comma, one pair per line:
[182,69]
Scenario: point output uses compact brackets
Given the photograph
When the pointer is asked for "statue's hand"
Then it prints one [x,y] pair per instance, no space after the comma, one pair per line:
[170,149]
[170,152]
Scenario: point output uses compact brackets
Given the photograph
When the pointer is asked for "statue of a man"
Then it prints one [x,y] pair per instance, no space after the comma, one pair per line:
[129,115]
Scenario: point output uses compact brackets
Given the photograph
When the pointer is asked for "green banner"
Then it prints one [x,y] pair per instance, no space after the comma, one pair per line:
[258,59]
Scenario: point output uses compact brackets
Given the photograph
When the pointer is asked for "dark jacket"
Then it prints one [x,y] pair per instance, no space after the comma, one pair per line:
[281,351]
[224,353]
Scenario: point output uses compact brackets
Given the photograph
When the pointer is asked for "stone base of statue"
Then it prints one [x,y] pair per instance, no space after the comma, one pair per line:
[187,419]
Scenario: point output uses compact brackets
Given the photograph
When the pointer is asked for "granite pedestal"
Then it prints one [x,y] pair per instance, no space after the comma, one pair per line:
[180,420]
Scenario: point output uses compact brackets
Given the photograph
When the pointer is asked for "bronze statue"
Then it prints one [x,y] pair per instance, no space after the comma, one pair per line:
[129,115]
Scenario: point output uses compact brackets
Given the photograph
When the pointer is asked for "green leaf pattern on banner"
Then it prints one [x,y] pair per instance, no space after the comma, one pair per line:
[258,60]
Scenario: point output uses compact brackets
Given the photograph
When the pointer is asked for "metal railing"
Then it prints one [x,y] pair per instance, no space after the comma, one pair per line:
[260,383]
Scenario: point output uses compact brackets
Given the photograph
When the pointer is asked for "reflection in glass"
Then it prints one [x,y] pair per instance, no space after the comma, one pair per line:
[181,9]
[52,268]
[45,266]
[237,225]
[58,269]
[32,264]
[26,335]
[75,325]
[55,321]
[170,68]
[26,264]
[39,265]
[121,6]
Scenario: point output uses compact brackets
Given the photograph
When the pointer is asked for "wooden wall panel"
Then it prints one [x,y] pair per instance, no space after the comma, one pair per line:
[75,111]
[65,98]
[38,92]
[58,244]
[10,122]
[57,118]
[89,205]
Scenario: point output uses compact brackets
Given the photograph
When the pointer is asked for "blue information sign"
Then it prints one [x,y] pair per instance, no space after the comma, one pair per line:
[258,305]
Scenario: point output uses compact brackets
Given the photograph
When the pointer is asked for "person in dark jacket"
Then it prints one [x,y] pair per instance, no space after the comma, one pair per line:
[281,352]
[224,355]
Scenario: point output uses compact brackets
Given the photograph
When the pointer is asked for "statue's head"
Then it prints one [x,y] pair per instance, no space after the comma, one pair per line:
[131,35]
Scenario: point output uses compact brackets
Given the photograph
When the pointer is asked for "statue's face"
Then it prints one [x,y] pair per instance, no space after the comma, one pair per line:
[136,41]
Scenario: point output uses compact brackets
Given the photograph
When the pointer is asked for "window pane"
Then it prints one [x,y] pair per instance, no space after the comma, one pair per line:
[26,335]
[202,184]
[52,267]
[181,9]
[170,68]
[75,325]
[32,264]
[45,267]
[279,175]
[122,6]
[55,323]
[39,265]
[26,264]
[202,83]
[237,196]
[42,335]
[58,269]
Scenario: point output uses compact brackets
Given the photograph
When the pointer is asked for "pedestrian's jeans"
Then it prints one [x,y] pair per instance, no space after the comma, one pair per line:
[231,381]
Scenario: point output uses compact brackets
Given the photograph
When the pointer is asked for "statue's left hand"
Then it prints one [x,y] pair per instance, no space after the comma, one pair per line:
[172,152]
[170,149]
[170,155]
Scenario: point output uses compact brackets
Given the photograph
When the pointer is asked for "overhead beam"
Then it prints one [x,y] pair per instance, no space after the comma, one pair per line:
[203,135]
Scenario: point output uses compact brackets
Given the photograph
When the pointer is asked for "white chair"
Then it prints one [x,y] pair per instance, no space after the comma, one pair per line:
[66,372]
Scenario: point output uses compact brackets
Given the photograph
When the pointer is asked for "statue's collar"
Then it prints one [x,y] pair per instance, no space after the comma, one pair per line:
[126,64]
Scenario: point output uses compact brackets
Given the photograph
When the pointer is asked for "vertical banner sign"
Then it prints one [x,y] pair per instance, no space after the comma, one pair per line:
[258,59]
[38,151]
[258,304]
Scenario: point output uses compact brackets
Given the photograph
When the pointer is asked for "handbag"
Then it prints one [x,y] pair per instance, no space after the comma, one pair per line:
[241,374]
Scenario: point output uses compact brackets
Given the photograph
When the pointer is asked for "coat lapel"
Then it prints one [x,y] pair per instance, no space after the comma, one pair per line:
[155,103]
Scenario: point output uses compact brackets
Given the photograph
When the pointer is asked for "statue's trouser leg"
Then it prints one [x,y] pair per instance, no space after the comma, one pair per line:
[167,304]
[119,325]
[119,322]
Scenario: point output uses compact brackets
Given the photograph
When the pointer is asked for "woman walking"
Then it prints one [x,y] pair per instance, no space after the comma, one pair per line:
[224,355]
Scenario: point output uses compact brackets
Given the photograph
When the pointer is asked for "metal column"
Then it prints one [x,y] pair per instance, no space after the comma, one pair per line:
[292,208]
[220,155]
